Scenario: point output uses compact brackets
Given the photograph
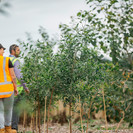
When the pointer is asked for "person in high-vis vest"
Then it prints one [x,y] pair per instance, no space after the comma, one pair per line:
[8,88]
[14,54]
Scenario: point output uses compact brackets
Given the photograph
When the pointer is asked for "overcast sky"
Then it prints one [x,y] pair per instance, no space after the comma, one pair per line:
[27,15]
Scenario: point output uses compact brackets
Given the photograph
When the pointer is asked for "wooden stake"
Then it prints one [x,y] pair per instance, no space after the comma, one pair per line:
[105,110]
[49,108]
[31,122]
[39,117]
[33,128]
[36,120]
[70,115]
[88,118]
[45,112]
[81,115]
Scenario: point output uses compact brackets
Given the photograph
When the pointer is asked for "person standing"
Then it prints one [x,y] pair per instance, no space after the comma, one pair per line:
[8,88]
[14,54]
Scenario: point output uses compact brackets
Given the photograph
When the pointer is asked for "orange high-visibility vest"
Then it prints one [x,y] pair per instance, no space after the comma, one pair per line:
[6,85]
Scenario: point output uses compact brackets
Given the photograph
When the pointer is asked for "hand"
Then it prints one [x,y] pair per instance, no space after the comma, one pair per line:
[27,91]
[15,92]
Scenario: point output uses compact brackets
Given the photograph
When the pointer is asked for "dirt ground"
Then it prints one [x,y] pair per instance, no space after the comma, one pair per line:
[94,127]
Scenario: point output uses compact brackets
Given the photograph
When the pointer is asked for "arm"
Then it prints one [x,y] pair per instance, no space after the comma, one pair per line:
[19,75]
[11,70]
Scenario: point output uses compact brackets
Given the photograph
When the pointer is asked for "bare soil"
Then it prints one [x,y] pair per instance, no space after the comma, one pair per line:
[95,127]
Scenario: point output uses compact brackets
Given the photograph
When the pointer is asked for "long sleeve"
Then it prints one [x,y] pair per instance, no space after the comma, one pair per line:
[18,74]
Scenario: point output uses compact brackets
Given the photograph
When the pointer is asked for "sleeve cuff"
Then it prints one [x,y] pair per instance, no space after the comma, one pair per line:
[24,86]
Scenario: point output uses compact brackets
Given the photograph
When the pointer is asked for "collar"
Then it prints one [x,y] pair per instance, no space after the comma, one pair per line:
[11,56]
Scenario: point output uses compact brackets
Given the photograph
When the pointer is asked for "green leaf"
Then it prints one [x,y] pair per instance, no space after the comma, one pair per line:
[79,14]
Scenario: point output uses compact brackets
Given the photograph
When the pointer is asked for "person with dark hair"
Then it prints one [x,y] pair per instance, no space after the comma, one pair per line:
[14,54]
[8,87]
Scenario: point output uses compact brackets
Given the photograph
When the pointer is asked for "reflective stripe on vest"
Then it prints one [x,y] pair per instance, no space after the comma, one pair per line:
[4,83]
[13,60]
[6,86]
[4,65]
[5,93]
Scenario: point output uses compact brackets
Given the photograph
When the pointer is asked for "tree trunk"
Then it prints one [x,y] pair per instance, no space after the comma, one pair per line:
[89,112]
[122,117]
[104,110]
[24,122]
